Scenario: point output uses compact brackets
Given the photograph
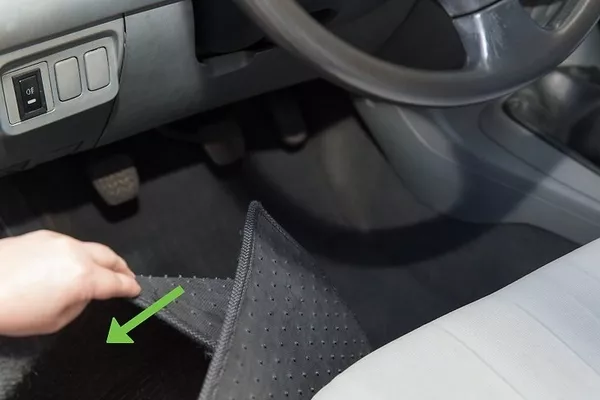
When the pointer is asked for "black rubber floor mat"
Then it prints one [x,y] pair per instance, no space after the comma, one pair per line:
[286,332]
[199,314]
[279,330]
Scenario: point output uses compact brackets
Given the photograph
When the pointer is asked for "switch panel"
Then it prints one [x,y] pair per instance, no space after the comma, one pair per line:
[63,77]
[68,80]
[29,92]
[96,69]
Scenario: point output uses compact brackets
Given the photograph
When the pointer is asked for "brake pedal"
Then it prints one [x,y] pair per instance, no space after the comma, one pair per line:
[221,139]
[115,179]
[223,142]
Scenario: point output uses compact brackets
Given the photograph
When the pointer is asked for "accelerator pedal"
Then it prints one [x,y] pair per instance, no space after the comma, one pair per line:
[288,119]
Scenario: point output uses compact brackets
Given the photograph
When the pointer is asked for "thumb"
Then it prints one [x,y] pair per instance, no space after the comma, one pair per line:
[107,284]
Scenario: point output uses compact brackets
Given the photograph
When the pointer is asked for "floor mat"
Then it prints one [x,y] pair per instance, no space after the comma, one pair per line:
[286,334]
[279,331]
[395,262]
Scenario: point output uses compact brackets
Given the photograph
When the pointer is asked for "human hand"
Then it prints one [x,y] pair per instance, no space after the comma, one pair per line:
[47,279]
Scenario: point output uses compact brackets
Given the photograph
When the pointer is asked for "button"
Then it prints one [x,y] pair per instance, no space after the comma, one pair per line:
[29,91]
[96,68]
[68,79]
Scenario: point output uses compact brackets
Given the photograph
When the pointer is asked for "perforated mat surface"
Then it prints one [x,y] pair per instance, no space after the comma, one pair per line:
[286,333]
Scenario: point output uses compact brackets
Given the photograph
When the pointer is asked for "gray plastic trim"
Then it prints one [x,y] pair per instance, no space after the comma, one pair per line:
[462,7]
[542,156]
[446,160]
[23,22]
[109,35]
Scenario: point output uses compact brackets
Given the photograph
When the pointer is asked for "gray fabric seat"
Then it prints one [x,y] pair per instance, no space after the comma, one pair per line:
[538,338]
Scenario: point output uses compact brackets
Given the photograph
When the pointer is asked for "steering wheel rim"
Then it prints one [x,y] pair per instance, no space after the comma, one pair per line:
[499,60]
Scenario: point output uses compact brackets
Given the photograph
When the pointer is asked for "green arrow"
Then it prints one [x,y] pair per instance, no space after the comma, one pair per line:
[118,334]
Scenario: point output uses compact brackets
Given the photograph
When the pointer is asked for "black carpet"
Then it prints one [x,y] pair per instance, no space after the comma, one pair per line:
[78,364]
[396,263]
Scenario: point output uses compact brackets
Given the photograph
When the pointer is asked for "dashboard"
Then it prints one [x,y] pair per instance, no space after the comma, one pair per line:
[77,74]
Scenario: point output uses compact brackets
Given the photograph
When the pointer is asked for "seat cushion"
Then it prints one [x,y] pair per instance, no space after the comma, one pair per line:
[538,338]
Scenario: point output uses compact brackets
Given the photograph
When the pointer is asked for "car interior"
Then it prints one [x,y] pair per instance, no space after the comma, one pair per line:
[362,199]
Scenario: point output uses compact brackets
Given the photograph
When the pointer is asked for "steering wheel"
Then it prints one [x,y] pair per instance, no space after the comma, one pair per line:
[506,49]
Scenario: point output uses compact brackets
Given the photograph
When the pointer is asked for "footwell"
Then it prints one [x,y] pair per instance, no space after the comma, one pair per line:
[279,330]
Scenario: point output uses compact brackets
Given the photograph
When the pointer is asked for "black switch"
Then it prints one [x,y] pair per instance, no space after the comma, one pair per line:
[30,94]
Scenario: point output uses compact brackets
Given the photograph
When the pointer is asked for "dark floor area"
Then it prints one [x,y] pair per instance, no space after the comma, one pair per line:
[78,364]
[396,263]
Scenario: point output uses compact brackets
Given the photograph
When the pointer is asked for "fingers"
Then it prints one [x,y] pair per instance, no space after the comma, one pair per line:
[107,284]
[112,276]
[106,258]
